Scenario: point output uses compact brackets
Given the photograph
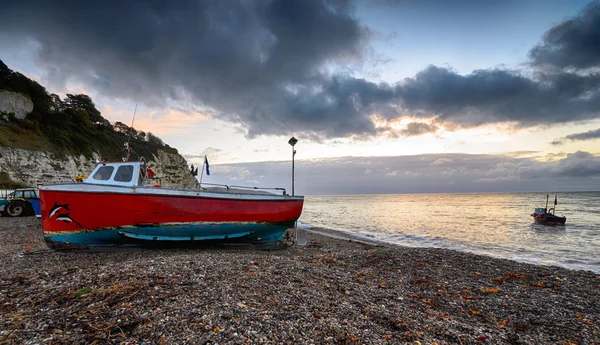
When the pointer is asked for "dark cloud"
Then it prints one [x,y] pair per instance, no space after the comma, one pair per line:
[574,43]
[267,64]
[589,135]
[418,128]
[496,96]
[433,173]
[259,63]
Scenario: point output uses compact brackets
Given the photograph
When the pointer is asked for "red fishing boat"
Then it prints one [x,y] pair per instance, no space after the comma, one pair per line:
[547,216]
[118,205]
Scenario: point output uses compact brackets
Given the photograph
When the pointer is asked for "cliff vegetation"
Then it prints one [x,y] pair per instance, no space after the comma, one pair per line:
[68,126]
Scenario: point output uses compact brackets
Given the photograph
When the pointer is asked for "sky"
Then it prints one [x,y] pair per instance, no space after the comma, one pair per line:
[384,96]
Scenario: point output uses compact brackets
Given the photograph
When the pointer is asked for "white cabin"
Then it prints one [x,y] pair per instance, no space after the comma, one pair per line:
[125,174]
[136,174]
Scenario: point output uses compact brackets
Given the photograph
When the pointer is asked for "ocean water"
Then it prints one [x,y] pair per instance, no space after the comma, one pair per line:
[494,224]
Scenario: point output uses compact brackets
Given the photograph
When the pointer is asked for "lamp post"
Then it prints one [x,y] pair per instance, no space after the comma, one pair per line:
[293,142]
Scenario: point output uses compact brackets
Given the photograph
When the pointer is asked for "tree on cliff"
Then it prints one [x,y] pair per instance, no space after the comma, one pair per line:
[121,127]
[84,102]
[57,103]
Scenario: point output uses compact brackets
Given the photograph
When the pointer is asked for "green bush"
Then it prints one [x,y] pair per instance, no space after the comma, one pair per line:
[58,118]
[31,125]
[7,183]
[79,116]
[12,117]
[34,116]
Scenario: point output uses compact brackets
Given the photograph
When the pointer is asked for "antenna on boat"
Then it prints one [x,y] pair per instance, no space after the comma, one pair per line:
[127,148]
[547,195]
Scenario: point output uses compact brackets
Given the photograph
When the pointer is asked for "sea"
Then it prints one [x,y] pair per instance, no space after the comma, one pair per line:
[493,224]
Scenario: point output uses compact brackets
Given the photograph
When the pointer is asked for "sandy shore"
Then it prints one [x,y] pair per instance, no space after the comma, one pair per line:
[332,291]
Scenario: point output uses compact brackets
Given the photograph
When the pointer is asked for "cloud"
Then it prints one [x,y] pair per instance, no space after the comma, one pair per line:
[442,161]
[267,65]
[589,135]
[259,63]
[459,173]
[575,43]
[499,96]
[418,128]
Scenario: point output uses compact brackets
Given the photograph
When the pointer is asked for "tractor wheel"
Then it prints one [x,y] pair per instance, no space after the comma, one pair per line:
[15,209]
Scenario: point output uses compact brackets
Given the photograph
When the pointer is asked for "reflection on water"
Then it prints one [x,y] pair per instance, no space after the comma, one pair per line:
[494,224]
[548,227]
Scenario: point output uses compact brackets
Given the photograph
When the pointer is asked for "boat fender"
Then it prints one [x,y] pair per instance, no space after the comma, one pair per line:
[150,173]
[157,186]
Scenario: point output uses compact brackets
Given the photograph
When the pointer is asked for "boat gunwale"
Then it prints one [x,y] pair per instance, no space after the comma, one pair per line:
[151,191]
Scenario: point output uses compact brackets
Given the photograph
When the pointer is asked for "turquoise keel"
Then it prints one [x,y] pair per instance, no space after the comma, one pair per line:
[185,233]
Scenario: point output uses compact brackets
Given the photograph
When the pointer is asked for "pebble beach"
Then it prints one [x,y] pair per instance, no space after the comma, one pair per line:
[331,291]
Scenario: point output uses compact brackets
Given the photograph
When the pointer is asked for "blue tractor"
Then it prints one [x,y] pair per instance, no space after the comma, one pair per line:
[21,202]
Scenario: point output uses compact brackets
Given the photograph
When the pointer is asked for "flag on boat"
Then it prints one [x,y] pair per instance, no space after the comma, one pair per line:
[207,166]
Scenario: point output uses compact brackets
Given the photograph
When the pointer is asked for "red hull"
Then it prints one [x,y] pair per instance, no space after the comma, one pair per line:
[548,219]
[74,211]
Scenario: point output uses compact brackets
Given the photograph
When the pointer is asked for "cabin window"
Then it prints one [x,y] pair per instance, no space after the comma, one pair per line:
[104,173]
[18,194]
[29,194]
[124,173]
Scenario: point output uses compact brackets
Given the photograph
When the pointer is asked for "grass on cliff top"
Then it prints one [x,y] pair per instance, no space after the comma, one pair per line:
[17,137]
[75,140]
[7,183]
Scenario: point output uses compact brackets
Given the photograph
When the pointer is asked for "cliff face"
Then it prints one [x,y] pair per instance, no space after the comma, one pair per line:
[31,167]
[172,170]
[12,102]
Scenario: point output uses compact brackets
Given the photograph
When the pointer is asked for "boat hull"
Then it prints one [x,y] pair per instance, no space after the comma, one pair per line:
[549,219]
[119,216]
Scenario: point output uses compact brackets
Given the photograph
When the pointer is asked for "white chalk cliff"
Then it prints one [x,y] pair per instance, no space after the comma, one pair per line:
[32,167]
[12,102]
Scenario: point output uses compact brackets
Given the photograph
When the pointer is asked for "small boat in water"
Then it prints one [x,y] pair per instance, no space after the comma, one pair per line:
[547,216]
[118,205]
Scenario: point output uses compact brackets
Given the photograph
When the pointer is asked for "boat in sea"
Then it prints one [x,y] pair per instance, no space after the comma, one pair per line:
[547,216]
[119,205]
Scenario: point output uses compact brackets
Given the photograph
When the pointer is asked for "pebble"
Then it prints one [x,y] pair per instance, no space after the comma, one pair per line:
[331,292]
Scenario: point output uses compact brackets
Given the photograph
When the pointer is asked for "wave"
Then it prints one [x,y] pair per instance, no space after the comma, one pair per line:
[544,258]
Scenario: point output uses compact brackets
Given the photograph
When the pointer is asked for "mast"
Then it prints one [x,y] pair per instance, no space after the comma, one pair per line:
[127,148]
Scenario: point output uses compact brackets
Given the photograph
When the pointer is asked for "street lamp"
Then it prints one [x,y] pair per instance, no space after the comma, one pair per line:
[293,142]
